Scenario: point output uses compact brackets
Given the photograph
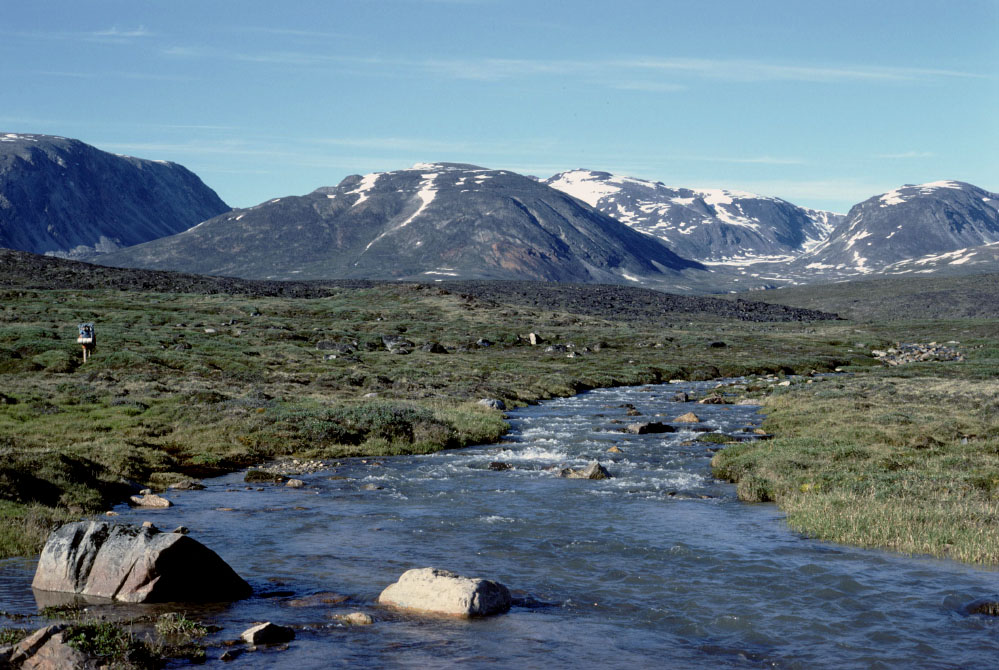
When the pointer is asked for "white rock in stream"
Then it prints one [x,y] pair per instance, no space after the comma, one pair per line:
[443,592]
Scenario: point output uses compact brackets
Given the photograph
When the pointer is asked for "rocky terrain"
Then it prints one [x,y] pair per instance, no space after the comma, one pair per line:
[67,198]
[31,271]
[435,220]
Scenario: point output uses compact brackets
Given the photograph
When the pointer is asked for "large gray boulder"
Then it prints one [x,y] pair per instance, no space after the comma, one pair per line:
[133,564]
[444,592]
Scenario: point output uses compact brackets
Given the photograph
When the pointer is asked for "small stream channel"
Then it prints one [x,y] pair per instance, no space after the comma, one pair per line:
[660,566]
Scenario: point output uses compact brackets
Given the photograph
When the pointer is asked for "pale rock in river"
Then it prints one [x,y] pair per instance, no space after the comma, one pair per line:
[443,592]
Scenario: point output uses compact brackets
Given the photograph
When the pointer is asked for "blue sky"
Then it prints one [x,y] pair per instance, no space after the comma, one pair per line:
[821,103]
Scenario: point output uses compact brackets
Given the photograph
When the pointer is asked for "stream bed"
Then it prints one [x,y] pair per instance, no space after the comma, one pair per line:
[659,566]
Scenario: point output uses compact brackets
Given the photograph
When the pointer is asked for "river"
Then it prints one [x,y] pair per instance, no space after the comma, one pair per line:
[660,566]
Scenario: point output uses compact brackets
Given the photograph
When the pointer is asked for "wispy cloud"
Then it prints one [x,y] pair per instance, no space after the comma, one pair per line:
[757,160]
[116,33]
[758,71]
[638,73]
[907,154]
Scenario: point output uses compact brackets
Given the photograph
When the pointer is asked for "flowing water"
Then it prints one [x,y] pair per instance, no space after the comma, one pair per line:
[660,566]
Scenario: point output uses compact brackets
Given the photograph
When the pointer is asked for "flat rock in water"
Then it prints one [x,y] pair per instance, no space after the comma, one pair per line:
[150,500]
[134,564]
[355,619]
[268,633]
[443,592]
[689,417]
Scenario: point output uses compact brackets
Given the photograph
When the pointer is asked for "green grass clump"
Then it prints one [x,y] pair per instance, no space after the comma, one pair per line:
[113,644]
[908,463]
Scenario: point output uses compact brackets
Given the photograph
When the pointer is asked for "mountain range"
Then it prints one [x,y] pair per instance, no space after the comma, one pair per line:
[460,221]
[434,220]
[64,197]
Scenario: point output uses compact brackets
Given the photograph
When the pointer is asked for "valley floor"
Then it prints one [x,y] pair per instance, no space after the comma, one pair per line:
[194,384]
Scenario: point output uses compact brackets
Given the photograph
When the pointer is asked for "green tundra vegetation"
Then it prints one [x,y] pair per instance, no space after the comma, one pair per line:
[192,385]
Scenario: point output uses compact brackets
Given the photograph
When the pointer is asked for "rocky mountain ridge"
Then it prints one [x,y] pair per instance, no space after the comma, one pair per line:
[64,197]
[713,226]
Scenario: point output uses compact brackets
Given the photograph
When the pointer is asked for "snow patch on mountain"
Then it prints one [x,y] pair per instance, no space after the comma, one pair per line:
[363,189]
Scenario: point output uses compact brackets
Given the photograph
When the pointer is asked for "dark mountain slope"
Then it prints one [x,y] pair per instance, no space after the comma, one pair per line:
[434,220]
[911,225]
[65,197]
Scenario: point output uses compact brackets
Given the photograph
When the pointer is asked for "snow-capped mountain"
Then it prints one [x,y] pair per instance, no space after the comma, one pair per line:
[434,220]
[910,229]
[64,197]
[713,226]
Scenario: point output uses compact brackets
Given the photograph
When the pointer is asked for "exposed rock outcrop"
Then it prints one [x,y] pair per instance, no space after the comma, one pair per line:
[131,564]
[444,592]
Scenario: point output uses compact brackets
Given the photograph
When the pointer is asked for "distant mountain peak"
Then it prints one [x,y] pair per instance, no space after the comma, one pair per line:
[711,225]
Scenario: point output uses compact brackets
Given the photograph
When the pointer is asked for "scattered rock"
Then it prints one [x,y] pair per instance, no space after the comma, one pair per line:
[633,412]
[371,487]
[556,349]
[151,525]
[534,339]
[444,592]
[294,483]
[689,417]
[681,396]
[433,348]
[328,598]
[717,345]
[499,466]
[7,400]
[370,395]
[210,331]
[614,450]
[182,530]
[483,342]
[715,400]
[983,606]
[48,649]
[187,485]
[901,353]
[254,476]
[132,564]
[397,345]
[150,500]
[230,654]
[648,427]
[338,347]
[355,619]
[592,471]
[493,403]
[268,633]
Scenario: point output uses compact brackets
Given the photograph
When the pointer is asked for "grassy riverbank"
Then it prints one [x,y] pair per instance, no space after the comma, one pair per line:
[192,385]
[903,458]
